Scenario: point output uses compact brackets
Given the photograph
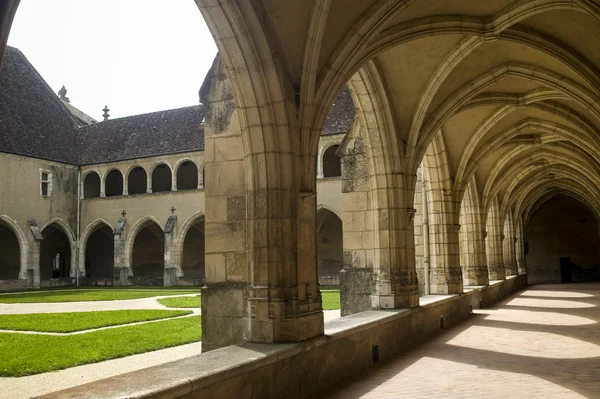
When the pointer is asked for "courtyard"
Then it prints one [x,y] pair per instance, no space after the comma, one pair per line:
[87,334]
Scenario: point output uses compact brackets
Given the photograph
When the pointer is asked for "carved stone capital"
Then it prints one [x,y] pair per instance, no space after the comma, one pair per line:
[410,215]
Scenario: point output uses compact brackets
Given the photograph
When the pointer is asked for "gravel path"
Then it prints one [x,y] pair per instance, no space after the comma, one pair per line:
[90,306]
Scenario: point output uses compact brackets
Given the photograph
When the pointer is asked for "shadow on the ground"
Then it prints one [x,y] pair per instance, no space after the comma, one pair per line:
[576,372]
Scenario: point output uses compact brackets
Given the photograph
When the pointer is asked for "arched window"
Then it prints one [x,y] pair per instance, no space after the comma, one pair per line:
[91,185]
[192,262]
[203,177]
[137,181]
[329,247]
[161,179]
[114,183]
[10,253]
[99,254]
[147,257]
[187,176]
[55,253]
[332,164]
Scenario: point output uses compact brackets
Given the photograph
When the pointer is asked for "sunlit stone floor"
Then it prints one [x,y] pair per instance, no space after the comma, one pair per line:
[543,342]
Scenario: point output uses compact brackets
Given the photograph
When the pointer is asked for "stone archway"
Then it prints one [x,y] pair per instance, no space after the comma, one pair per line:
[332,164]
[193,250]
[330,247]
[161,178]
[55,253]
[137,181]
[187,176]
[562,228]
[113,183]
[147,255]
[91,185]
[99,254]
[10,253]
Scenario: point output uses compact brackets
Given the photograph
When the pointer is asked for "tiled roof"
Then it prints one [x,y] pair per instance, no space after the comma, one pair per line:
[138,136]
[341,115]
[33,121]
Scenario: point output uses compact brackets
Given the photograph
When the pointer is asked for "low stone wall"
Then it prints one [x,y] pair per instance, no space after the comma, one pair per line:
[95,282]
[189,282]
[147,281]
[299,370]
[58,282]
[13,285]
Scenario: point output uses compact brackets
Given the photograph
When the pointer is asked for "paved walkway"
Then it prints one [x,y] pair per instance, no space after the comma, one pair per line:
[542,343]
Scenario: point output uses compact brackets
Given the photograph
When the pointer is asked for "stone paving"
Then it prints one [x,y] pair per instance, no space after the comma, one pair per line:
[543,342]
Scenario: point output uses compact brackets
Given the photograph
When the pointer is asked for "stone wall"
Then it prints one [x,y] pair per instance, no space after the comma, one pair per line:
[562,227]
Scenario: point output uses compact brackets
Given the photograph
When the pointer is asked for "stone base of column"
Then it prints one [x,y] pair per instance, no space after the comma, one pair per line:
[33,278]
[475,275]
[510,268]
[356,287]
[121,276]
[226,321]
[297,328]
[170,277]
[521,266]
[445,282]
[497,272]
[224,315]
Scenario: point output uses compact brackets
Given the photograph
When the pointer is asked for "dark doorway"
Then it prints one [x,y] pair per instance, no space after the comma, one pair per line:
[148,252]
[566,270]
[99,254]
[55,253]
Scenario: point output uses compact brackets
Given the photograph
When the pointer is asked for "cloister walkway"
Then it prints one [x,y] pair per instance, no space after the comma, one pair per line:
[541,342]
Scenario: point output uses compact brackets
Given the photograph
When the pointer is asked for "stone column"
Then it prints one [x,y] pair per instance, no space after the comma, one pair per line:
[508,247]
[445,272]
[421,234]
[122,269]
[261,262]
[475,271]
[320,174]
[356,276]
[34,236]
[379,269]
[103,186]
[472,239]
[125,185]
[520,248]
[174,180]
[171,272]
[149,182]
[493,244]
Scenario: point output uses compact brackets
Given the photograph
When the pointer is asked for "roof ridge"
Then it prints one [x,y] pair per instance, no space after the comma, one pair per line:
[144,114]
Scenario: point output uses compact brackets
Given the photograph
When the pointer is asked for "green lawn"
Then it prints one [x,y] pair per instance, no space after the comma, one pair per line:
[25,354]
[78,321]
[78,295]
[181,302]
[331,300]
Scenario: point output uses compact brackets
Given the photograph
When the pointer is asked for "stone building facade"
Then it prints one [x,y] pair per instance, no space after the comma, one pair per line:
[118,202]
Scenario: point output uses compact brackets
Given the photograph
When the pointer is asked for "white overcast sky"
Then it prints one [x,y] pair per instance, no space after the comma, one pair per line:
[135,56]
